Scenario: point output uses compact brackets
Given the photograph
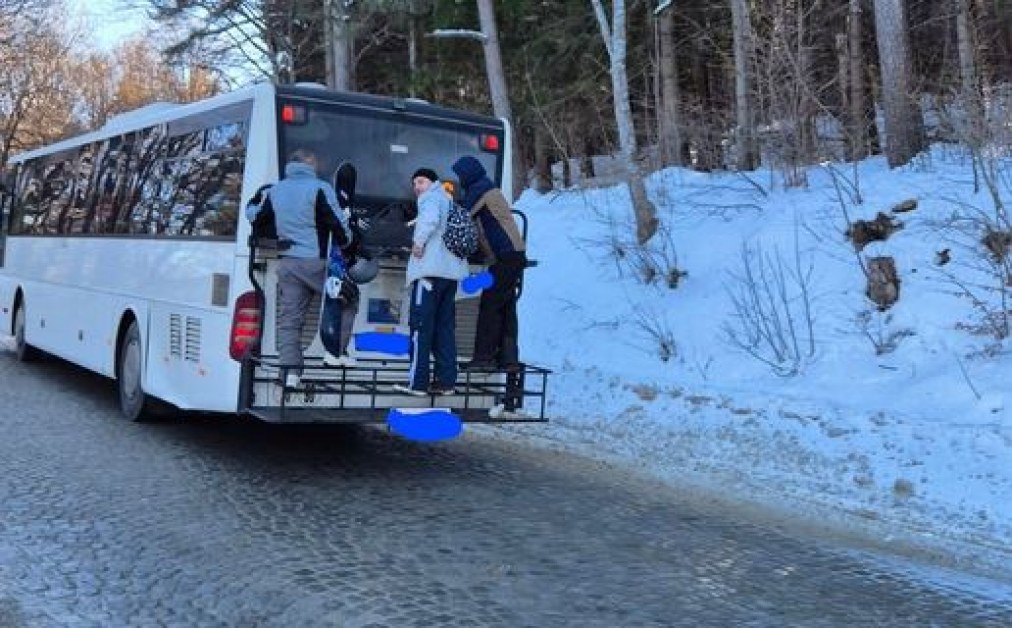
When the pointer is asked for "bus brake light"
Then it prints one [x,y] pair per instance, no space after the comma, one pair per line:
[293,114]
[246,321]
[490,143]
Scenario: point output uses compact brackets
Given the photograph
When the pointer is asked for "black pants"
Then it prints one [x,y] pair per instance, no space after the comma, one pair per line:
[496,340]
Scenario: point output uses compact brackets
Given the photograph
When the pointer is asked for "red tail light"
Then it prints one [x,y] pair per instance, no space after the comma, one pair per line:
[293,114]
[490,143]
[246,321]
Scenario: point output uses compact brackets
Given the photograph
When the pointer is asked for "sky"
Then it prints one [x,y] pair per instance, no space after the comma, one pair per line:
[910,447]
[109,22]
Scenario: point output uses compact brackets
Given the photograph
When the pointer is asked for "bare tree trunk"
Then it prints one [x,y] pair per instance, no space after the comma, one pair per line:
[340,40]
[747,151]
[857,131]
[414,28]
[586,159]
[328,38]
[493,60]
[614,35]
[807,107]
[988,37]
[903,120]
[497,89]
[843,82]
[669,111]
[542,161]
[968,66]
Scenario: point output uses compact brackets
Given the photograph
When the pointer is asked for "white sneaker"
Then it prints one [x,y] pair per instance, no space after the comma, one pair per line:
[406,388]
[499,411]
[292,380]
[344,361]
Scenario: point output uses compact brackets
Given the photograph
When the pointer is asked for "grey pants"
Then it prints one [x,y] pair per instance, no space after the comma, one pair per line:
[298,280]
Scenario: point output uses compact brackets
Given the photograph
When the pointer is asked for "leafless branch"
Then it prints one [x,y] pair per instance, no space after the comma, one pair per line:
[458,33]
[772,318]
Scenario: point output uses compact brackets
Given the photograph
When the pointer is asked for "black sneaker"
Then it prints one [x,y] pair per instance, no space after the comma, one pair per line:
[440,389]
[479,365]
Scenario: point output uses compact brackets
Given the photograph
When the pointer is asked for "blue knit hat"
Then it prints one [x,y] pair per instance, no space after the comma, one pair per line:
[468,170]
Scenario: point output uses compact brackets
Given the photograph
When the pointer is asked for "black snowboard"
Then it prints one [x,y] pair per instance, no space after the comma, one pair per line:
[344,184]
[330,317]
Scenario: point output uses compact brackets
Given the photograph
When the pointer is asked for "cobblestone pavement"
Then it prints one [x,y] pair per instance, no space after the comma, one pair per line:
[221,522]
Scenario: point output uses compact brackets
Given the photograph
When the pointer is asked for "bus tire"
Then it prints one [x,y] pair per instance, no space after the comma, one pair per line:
[133,401]
[22,350]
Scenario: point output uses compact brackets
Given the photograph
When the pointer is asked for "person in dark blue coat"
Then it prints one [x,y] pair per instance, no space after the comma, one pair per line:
[495,344]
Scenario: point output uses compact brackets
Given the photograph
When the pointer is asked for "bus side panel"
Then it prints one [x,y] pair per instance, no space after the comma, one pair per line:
[77,325]
[62,318]
[125,274]
[506,185]
[8,287]
[188,363]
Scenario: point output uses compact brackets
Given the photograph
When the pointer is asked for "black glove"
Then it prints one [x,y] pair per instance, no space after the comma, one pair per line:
[264,225]
[410,212]
[258,197]
[349,291]
[351,248]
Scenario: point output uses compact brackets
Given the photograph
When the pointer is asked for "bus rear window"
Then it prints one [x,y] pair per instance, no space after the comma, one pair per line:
[386,148]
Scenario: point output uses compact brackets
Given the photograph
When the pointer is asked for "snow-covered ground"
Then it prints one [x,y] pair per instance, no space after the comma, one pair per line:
[892,424]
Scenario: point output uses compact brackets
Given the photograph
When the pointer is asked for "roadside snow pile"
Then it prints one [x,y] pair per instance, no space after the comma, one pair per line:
[767,373]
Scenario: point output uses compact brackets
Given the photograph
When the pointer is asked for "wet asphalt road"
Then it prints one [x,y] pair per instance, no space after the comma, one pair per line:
[224,522]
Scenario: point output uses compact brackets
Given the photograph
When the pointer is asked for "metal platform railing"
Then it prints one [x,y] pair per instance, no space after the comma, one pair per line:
[364,393]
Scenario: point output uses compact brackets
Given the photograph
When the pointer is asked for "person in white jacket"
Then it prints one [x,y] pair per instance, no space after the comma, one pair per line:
[432,274]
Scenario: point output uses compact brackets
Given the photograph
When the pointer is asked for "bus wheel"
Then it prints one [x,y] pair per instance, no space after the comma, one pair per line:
[132,398]
[24,351]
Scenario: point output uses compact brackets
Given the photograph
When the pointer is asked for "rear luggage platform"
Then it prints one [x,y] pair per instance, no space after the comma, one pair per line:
[365,394]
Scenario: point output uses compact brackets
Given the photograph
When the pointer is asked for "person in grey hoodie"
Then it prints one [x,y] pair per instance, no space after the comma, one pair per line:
[432,273]
[305,213]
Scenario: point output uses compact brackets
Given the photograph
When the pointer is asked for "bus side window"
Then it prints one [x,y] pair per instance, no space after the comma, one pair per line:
[208,183]
[217,211]
[25,210]
[79,176]
[3,223]
[8,203]
[5,212]
[145,204]
[177,188]
[54,198]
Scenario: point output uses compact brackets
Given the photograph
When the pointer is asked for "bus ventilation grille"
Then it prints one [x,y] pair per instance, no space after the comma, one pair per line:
[184,337]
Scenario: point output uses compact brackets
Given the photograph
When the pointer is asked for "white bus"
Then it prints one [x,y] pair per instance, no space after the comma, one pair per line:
[126,251]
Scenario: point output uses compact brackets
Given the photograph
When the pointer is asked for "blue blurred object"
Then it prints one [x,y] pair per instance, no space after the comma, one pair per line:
[392,344]
[480,281]
[426,425]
